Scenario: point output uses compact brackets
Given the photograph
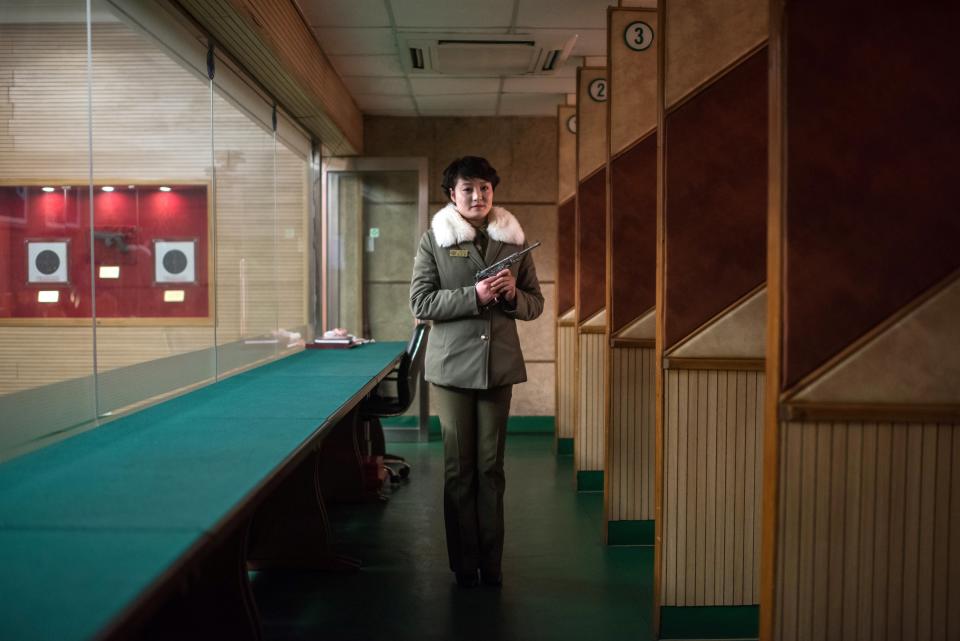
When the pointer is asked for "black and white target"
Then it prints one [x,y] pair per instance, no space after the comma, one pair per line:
[47,261]
[175,261]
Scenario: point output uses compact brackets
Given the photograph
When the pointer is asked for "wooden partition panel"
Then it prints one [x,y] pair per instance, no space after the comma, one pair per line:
[712,457]
[632,50]
[861,533]
[566,278]
[630,443]
[711,270]
[566,419]
[848,270]
[589,444]
[716,185]
[591,359]
[868,543]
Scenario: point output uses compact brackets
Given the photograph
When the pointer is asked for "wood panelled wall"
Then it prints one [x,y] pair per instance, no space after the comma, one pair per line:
[274,41]
[43,136]
[589,440]
[630,439]
[869,537]
[861,533]
[713,458]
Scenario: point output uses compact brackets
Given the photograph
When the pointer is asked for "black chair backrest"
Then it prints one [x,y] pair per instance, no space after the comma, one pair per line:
[411,365]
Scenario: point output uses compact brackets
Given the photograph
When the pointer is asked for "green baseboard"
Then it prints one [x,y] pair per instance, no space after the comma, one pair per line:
[564,447]
[630,532]
[710,622]
[515,425]
[590,481]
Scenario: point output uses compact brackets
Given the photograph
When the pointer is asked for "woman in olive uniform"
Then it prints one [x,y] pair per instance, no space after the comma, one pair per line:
[473,355]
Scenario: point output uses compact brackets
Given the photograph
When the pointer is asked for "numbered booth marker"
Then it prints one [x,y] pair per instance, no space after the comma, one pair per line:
[638,36]
[598,89]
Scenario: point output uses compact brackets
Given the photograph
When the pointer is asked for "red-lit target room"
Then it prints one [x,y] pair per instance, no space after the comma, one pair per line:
[151,257]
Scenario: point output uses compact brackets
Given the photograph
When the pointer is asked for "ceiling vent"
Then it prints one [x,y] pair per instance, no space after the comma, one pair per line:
[462,54]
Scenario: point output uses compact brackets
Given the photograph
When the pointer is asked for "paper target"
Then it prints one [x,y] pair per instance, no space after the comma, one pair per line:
[47,261]
[174,261]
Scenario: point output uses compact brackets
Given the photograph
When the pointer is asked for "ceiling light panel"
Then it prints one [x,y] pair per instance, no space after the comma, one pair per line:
[383,66]
[345,13]
[435,86]
[442,13]
[356,41]
[572,14]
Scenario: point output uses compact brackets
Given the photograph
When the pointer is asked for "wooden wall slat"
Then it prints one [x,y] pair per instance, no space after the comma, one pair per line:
[711,507]
[631,435]
[566,389]
[589,440]
[867,550]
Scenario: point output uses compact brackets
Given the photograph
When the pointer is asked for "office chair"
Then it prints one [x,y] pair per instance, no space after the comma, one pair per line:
[381,402]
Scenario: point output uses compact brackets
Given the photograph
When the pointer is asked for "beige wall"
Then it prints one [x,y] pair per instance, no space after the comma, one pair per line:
[524,152]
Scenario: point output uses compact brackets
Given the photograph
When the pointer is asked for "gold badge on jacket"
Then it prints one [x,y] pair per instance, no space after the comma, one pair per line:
[459,253]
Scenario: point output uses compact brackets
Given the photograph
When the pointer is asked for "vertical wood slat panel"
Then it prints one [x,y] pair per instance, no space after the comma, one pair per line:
[868,531]
[590,435]
[631,435]
[711,506]
[567,388]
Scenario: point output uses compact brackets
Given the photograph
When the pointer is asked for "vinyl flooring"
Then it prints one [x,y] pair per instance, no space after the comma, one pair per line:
[560,581]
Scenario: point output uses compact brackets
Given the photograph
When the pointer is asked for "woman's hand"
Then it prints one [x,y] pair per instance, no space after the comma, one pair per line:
[504,285]
[485,293]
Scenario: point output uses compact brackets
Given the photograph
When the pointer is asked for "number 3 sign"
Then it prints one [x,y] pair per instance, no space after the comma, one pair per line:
[638,36]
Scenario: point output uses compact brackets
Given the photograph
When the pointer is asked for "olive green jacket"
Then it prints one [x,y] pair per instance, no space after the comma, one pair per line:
[470,347]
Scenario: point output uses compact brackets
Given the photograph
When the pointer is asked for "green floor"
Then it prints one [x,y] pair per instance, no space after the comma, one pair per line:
[560,581]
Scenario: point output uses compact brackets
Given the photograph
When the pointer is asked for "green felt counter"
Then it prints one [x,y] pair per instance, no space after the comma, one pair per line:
[60,585]
[100,516]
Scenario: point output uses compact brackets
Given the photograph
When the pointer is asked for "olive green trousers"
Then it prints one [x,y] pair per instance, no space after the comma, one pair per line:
[474,425]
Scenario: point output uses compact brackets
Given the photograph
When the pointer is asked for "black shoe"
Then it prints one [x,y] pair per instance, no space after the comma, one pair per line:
[467,579]
[493,579]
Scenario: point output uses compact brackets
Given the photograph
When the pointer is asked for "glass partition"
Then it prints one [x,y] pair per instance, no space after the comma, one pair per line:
[152,256]
[46,328]
[155,229]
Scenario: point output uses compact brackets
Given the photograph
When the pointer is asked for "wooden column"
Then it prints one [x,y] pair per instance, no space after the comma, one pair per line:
[710,316]
[631,273]
[861,529]
[591,316]
[566,277]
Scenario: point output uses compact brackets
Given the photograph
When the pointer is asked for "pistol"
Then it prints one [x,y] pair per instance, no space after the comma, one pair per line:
[505,263]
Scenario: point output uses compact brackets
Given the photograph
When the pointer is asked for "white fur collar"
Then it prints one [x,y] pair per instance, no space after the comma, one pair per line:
[450,228]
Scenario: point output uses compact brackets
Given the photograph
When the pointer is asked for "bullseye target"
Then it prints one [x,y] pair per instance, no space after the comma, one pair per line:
[47,261]
[174,261]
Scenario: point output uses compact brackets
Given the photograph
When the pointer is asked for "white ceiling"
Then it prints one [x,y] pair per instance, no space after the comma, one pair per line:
[361,38]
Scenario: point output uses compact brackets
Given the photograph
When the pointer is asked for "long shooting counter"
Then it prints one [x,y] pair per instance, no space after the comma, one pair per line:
[145,527]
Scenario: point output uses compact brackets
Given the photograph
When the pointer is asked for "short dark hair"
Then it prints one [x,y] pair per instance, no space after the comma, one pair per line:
[468,167]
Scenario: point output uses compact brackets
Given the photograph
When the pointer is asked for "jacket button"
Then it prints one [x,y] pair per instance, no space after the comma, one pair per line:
[483,337]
